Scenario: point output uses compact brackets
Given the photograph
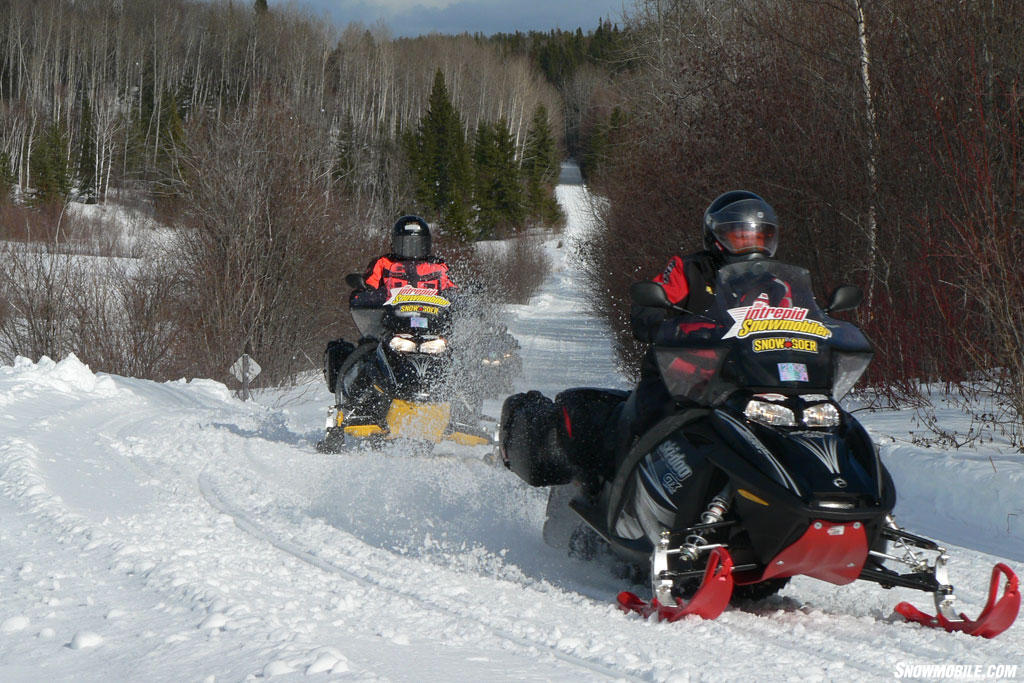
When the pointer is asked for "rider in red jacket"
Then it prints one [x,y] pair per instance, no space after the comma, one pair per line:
[409,263]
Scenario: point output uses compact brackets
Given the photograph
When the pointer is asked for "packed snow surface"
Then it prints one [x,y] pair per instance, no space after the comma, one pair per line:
[170,532]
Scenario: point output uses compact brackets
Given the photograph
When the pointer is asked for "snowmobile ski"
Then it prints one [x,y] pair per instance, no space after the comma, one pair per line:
[997,616]
[708,602]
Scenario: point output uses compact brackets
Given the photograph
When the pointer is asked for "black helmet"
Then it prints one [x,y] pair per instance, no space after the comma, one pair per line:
[410,238]
[741,224]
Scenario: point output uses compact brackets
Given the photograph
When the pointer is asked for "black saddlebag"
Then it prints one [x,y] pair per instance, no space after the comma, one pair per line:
[586,420]
[335,354]
[529,442]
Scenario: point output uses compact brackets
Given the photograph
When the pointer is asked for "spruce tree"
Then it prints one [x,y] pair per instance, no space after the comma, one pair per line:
[540,168]
[344,166]
[439,158]
[497,188]
[49,166]
[7,178]
[86,154]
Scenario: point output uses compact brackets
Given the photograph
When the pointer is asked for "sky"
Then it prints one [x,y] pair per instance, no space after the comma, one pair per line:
[416,17]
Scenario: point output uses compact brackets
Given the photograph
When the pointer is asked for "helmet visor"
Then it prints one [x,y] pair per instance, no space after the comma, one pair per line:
[748,237]
[416,246]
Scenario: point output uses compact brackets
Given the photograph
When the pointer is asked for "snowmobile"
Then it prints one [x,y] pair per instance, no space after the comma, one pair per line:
[500,362]
[406,364]
[753,474]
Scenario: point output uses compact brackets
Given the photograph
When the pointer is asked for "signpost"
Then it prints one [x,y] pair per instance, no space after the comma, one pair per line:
[245,369]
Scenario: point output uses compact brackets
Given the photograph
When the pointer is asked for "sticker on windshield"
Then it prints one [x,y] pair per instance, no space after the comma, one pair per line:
[785,344]
[414,308]
[762,318]
[417,321]
[416,295]
[792,372]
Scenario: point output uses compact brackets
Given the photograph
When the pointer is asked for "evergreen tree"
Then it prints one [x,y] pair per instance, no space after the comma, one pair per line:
[261,6]
[600,142]
[497,189]
[49,166]
[345,155]
[439,158]
[7,178]
[86,154]
[540,168]
[172,130]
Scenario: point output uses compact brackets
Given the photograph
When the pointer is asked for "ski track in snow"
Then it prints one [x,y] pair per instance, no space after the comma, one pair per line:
[171,532]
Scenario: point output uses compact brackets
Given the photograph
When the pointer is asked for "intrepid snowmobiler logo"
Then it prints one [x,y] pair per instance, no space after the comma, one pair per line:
[785,344]
[416,295]
[762,318]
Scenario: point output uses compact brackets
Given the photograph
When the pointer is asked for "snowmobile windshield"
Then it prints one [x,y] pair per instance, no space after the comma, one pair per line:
[416,311]
[764,333]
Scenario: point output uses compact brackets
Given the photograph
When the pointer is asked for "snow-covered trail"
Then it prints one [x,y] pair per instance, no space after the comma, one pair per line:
[171,532]
[563,345]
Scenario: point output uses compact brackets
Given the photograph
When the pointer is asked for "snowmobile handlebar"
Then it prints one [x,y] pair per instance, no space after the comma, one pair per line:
[651,294]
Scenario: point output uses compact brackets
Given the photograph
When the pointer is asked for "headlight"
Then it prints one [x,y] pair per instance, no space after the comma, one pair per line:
[821,415]
[770,414]
[434,346]
[402,345]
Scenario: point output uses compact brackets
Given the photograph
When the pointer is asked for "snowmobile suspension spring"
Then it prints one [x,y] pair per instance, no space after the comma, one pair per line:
[910,556]
[717,508]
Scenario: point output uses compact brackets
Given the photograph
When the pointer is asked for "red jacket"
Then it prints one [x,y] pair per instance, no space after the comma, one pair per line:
[388,272]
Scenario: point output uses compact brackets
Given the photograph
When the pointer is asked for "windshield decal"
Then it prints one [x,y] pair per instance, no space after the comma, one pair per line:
[416,295]
[793,372]
[785,344]
[418,308]
[761,318]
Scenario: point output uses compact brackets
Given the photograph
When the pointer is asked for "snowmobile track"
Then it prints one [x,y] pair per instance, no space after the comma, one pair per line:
[251,526]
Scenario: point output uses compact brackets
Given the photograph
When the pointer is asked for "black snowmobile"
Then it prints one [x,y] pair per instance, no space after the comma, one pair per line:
[406,370]
[755,474]
[497,353]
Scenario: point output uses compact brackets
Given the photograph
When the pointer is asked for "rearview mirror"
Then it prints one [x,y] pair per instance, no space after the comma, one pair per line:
[844,298]
[649,293]
[355,281]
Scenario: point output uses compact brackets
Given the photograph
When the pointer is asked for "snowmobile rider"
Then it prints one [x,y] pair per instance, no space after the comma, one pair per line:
[409,263]
[738,226]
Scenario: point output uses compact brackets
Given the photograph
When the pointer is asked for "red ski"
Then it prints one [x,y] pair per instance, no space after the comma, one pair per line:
[708,602]
[997,616]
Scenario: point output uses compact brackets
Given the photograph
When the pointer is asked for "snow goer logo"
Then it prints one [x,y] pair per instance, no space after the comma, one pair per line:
[416,295]
[762,318]
[415,308]
[785,344]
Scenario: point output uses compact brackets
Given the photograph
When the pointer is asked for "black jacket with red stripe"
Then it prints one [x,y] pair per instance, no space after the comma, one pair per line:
[688,281]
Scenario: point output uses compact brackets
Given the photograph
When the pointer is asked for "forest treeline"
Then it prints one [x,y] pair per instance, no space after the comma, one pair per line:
[279,148]
[887,136]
